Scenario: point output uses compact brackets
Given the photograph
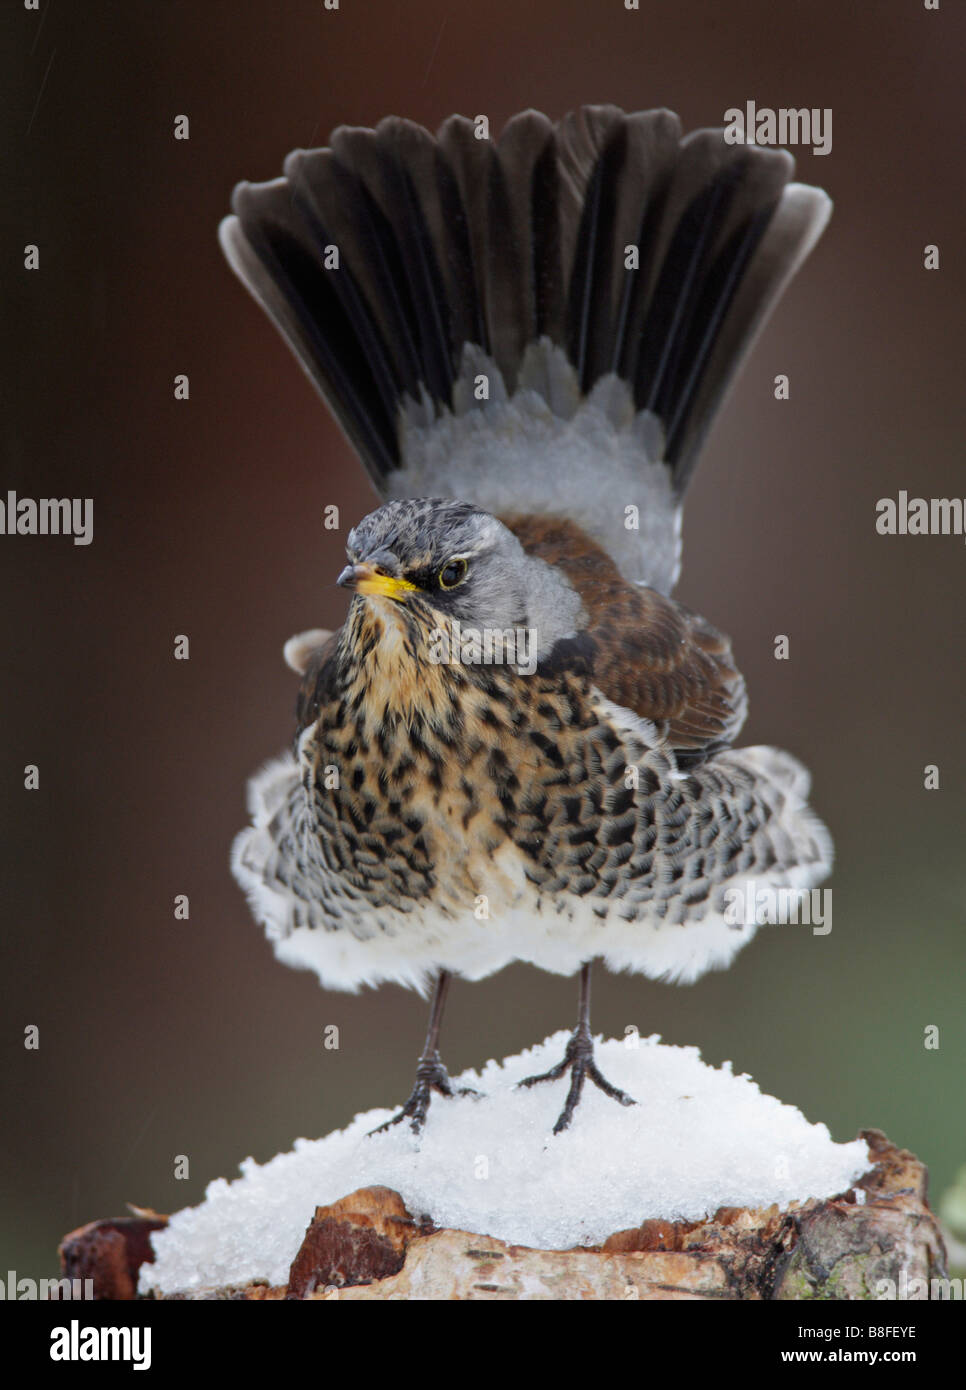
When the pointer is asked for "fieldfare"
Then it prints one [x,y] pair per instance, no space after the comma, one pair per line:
[519,747]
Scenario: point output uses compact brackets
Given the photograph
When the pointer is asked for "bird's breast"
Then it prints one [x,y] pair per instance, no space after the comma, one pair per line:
[414,776]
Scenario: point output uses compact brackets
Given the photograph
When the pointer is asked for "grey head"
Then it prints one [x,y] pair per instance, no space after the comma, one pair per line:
[450,560]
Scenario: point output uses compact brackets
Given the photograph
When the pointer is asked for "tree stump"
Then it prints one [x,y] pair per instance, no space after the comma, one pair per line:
[878,1240]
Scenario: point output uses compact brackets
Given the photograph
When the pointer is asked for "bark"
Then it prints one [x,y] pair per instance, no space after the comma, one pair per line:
[367,1246]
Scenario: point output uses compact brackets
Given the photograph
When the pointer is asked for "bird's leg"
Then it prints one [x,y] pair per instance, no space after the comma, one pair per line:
[431,1075]
[578,1059]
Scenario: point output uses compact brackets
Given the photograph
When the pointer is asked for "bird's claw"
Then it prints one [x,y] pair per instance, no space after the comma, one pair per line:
[431,1076]
[578,1059]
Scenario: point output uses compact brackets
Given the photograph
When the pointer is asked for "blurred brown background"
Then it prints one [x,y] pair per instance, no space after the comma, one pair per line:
[160,1037]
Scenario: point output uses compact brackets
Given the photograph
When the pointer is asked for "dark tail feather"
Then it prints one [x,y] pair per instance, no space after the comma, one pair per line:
[324,318]
[451,240]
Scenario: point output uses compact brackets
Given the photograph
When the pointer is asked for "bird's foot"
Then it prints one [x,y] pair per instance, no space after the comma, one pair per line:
[578,1059]
[431,1076]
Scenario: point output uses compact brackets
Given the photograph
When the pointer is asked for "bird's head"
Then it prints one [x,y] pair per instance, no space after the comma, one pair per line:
[443,583]
[430,561]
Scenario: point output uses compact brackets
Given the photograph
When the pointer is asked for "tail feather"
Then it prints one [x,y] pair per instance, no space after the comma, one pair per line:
[453,245]
[626,164]
[720,204]
[324,318]
[789,234]
[382,214]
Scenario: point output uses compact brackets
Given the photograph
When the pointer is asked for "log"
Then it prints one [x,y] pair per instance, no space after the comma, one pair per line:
[880,1235]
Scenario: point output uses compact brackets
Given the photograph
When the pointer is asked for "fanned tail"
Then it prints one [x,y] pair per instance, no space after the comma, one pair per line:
[605,249]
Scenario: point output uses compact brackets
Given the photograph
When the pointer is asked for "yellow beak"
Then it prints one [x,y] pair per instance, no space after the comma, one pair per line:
[366,579]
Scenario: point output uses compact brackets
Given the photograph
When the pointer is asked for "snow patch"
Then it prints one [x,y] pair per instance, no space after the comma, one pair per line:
[698,1139]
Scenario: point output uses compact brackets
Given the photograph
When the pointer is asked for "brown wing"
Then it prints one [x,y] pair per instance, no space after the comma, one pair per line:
[646,652]
[318,682]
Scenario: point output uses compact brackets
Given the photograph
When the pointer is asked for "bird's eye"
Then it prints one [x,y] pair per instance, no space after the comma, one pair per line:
[452,574]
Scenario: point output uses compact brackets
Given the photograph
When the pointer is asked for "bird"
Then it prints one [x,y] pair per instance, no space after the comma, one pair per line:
[520,746]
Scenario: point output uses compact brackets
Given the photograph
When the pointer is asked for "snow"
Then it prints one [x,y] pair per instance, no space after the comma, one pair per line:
[699,1138]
